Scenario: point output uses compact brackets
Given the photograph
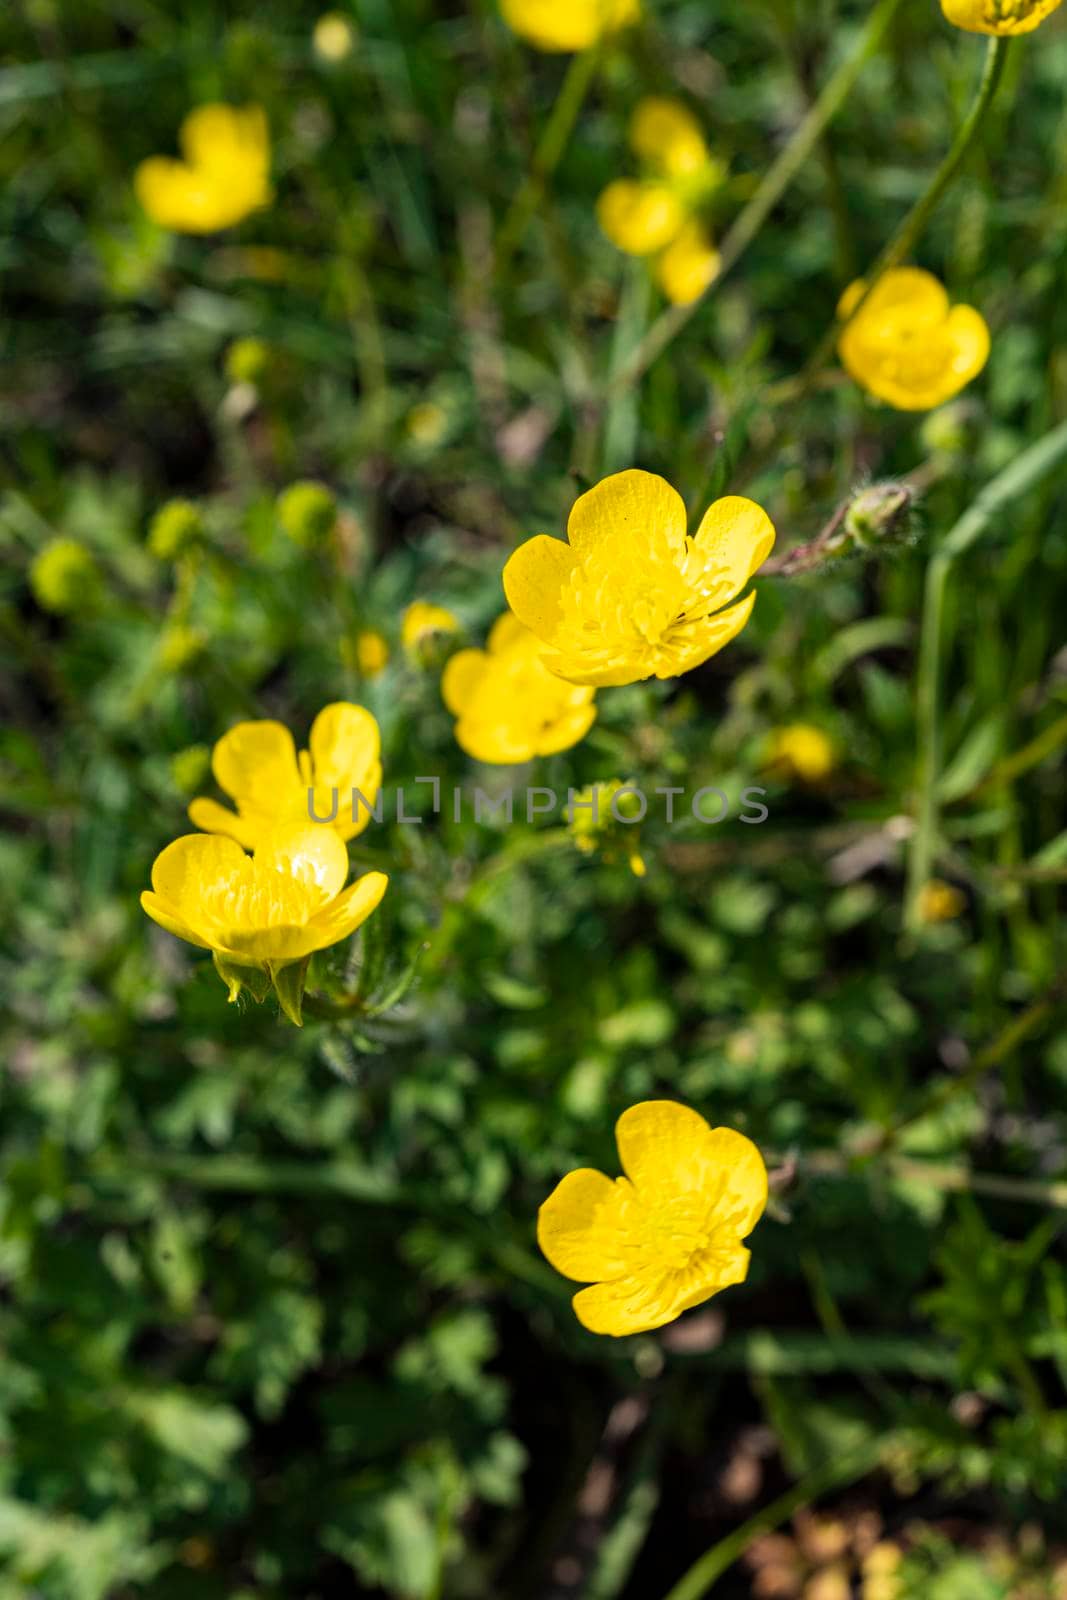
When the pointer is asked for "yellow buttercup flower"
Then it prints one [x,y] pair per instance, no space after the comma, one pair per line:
[265,913]
[940,901]
[568,24]
[509,707]
[665,1237]
[658,215]
[1003,17]
[907,345]
[631,595]
[688,265]
[372,653]
[257,765]
[802,751]
[421,621]
[223,177]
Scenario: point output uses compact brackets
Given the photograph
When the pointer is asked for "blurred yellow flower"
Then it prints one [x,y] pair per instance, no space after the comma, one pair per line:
[631,595]
[665,1237]
[998,16]
[907,345]
[421,621]
[333,37]
[800,750]
[372,653]
[568,24]
[257,765]
[224,176]
[64,577]
[509,707]
[940,901]
[264,912]
[658,215]
[427,423]
[688,265]
[605,819]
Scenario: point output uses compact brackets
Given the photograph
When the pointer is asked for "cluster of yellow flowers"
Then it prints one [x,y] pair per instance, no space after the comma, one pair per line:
[263,887]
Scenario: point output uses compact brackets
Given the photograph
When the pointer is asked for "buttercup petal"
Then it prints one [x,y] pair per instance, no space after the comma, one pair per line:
[627,511]
[627,1305]
[460,679]
[736,535]
[923,296]
[666,135]
[506,633]
[567,730]
[255,763]
[214,136]
[989,16]
[697,642]
[580,1227]
[345,745]
[742,1179]
[209,816]
[181,872]
[665,1147]
[347,912]
[160,911]
[969,334]
[534,575]
[639,218]
[688,265]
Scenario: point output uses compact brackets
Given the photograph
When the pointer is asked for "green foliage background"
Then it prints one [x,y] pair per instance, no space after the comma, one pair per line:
[272,1318]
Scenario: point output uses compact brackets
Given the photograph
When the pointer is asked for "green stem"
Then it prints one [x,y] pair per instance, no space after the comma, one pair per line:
[709,1567]
[776,181]
[913,224]
[1025,472]
[553,141]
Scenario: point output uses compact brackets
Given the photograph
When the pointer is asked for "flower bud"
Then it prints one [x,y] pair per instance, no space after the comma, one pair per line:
[64,577]
[877,514]
[247,361]
[308,513]
[333,37]
[175,527]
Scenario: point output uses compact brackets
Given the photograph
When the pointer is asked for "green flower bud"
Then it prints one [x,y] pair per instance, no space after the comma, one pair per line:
[877,514]
[175,526]
[189,768]
[949,430]
[247,361]
[308,512]
[64,577]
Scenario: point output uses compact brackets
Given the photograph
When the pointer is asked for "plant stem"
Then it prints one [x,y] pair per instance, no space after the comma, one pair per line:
[913,224]
[1025,472]
[776,181]
[709,1567]
[553,141]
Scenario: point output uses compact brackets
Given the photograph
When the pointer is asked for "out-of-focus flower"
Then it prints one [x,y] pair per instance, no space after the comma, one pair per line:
[261,915]
[906,345]
[509,707]
[247,361]
[372,653]
[422,622]
[821,1559]
[176,526]
[257,765]
[800,750]
[308,513]
[563,25]
[223,177]
[880,1572]
[333,37]
[605,819]
[631,595]
[427,424]
[64,577]
[940,901]
[1003,17]
[659,214]
[665,1237]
